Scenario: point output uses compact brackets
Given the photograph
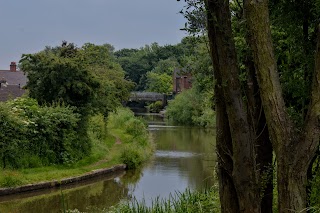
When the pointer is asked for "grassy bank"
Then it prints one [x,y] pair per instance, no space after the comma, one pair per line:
[121,139]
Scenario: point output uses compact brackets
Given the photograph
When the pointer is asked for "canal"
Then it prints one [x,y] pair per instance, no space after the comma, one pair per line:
[184,158]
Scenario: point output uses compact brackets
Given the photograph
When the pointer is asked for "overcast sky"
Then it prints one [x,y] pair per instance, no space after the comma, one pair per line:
[27,26]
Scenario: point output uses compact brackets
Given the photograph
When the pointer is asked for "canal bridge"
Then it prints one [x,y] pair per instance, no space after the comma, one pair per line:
[148,97]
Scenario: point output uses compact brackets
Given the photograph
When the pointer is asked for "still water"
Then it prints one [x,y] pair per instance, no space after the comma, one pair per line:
[184,158]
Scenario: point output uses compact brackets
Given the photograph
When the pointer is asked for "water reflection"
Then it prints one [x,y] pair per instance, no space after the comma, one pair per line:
[184,159]
[97,194]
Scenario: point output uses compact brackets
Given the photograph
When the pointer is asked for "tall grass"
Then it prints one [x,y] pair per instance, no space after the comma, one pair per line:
[204,201]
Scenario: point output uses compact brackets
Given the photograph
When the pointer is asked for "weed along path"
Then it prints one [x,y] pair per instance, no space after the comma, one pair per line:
[184,158]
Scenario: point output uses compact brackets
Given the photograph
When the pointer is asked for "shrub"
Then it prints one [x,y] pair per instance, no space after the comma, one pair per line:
[32,135]
[119,118]
[192,108]
[124,120]
[132,157]
[97,126]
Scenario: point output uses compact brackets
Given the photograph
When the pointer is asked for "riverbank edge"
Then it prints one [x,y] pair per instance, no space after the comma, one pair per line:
[64,181]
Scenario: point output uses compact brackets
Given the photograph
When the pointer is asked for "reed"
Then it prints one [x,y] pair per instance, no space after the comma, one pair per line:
[204,201]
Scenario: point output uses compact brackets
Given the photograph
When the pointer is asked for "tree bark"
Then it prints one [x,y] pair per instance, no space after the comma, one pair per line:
[228,195]
[263,144]
[294,151]
[226,68]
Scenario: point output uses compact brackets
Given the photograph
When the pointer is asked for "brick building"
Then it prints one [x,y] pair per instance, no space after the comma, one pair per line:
[181,80]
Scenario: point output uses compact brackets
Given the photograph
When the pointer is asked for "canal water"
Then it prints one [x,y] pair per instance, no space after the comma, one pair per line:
[184,158]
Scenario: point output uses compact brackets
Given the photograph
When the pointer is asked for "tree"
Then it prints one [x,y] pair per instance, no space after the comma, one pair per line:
[57,75]
[294,149]
[87,77]
[161,83]
[294,145]
[114,87]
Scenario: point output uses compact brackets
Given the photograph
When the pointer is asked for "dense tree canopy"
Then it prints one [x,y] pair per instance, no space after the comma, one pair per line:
[154,58]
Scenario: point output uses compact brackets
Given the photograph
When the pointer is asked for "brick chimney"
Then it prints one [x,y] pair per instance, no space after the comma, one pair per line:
[13,67]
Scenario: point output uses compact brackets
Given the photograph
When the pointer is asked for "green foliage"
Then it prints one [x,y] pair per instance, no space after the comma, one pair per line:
[132,157]
[11,136]
[160,83]
[166,66]
[114,87]
[32,136]
[97,127]
[87,78]
[131,131]
[53,78]
[152,58]
[125,121]
[192,108]
[155,106]
[314,185]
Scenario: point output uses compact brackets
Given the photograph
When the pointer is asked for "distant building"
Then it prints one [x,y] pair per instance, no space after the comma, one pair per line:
[182,80]
[12,82]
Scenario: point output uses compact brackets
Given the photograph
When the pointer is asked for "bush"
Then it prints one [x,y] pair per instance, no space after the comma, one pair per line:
[33,136]
[97,127]
[124,120]
[192,108]
[132,157]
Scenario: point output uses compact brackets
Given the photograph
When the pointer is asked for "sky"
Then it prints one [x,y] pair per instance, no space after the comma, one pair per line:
[27,26]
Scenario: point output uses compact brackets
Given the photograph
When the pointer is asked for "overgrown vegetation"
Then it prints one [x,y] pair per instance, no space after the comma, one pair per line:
[113,142]
[191,108]
[68,85]
[132,132]
[33,136]
[195,106]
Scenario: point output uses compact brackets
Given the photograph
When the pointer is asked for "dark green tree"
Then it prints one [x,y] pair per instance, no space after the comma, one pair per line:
[57,75]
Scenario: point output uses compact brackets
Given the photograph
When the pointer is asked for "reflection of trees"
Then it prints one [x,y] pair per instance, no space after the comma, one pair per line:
[199,168]
[196,140]
[131,179]
[99,195]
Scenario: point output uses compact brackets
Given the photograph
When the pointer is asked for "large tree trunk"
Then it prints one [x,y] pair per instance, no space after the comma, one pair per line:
[226,68]
[294,151]
[264,149]
[228,195]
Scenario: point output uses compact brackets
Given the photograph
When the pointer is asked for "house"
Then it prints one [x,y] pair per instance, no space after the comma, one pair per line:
[182,80]
[12,82]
